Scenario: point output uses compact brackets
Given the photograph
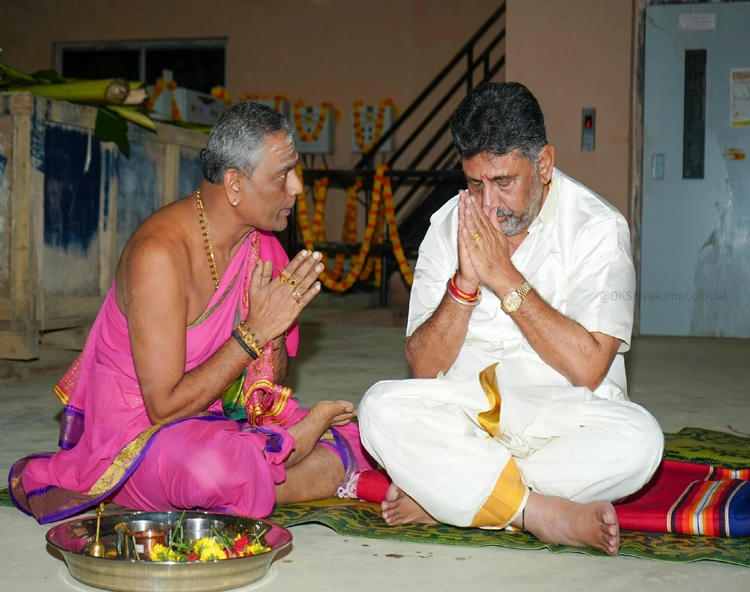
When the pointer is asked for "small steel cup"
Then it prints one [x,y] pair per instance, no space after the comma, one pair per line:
[197,528]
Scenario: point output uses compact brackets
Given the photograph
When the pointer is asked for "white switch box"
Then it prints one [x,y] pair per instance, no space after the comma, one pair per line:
[324,143]
[368,115]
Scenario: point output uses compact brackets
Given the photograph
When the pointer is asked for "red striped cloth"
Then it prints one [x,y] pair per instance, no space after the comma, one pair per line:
[683,498]
[688,498]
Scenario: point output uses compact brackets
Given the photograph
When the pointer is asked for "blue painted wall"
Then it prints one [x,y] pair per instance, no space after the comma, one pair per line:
[191,172]
[139,190]
[71,195]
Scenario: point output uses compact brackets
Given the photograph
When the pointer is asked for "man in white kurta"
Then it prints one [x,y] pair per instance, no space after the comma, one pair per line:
[510,415]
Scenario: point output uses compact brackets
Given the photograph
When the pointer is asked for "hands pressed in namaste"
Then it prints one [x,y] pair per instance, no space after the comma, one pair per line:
[483,247]
[276,303]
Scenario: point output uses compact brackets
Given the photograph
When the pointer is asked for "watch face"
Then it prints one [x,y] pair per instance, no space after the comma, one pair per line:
[512,302]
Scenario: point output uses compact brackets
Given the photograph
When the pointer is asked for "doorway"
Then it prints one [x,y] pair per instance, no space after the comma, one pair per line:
[695,221]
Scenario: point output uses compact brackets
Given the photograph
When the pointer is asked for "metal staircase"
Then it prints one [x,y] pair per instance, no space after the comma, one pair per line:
[424,168]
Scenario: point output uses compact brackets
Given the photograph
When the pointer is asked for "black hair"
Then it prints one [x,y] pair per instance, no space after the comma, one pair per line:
[499,118]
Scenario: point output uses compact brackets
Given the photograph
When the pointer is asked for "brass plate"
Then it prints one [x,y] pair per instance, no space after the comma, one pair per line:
[116,573]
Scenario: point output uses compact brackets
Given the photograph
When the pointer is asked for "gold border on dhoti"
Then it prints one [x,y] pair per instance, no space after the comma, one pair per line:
[510,491]
[123,461]
[490,420]
[505,500]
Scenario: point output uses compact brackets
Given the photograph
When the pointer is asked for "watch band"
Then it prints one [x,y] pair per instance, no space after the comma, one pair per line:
[524,290]
[512,301]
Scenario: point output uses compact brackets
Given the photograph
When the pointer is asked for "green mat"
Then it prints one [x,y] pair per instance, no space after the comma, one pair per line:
[358,519]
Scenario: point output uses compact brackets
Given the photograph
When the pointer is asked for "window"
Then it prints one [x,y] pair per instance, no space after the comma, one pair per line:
[198,64]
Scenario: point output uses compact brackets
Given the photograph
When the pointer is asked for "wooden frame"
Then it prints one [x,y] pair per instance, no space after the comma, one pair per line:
[48,287]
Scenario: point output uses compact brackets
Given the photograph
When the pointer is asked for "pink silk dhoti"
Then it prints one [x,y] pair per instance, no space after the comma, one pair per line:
[110,449]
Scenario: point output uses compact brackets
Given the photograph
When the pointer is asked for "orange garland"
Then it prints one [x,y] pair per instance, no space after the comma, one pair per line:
[379,123]
[219,92]
[160,86]
[382,211]
[303,135]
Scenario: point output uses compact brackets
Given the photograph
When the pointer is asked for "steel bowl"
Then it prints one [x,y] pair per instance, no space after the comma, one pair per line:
[197,528]
[116,572]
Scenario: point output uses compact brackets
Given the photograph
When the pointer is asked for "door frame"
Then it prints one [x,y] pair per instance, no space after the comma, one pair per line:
[637,84]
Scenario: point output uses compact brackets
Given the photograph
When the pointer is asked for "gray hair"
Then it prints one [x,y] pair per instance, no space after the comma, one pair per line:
[499,118]
[237,139]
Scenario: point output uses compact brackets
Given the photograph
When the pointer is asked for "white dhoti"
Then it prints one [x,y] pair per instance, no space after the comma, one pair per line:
[468,452]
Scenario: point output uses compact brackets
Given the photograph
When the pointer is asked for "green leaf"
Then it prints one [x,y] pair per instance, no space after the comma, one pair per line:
[48,77]
[112,128]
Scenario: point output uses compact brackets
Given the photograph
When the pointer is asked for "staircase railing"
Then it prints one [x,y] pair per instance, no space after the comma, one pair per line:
[478,61]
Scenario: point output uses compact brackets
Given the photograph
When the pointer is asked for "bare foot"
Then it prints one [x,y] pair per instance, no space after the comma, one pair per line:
[557,520]
[398,508]
[322,416]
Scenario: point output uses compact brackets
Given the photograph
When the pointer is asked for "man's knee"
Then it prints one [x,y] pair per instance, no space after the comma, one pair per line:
[371,406]
[372,416]
[642,446]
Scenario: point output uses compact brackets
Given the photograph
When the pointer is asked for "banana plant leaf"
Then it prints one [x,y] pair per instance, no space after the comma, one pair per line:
[110,127]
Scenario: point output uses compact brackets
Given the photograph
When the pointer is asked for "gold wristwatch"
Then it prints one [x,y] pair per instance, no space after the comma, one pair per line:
[512,301]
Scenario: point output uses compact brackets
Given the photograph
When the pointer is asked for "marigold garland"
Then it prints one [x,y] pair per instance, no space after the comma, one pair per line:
[160,86]
[379,123]
[219,92]
[382,211]
[303,135]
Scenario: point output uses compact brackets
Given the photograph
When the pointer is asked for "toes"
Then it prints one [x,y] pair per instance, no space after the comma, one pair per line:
[340,423]
[611,544]
[393,493]
[346,406]
[390,518]
[610,516]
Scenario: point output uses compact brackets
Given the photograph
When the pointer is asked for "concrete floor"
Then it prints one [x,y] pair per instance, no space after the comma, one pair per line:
[682,382]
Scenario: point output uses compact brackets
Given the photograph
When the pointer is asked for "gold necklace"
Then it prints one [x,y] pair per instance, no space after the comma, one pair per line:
[207,238]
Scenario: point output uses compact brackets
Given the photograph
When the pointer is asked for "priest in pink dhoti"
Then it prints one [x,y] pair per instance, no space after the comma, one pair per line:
[176,400]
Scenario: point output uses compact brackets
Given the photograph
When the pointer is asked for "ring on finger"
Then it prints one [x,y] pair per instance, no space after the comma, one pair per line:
[300,304]
[293,281]
[476,236]
[296,295]
[284,278]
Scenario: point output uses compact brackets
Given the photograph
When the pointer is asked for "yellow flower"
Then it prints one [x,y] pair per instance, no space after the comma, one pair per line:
[257,548]
[160,553]
[208,549]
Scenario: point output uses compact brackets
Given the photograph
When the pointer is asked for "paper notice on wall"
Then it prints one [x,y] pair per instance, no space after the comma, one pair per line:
[697,22]
[740,109]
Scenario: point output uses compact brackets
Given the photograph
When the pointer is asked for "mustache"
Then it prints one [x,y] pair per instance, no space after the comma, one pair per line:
[501,213]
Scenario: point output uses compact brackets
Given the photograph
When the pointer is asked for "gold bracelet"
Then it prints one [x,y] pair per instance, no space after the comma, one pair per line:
[248,337]
[283,341]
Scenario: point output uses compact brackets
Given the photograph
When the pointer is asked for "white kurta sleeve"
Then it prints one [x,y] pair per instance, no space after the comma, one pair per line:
[435,265]
[602,283]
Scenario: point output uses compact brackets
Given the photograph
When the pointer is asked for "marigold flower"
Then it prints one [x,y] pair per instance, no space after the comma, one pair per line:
[159,553]
[208,549]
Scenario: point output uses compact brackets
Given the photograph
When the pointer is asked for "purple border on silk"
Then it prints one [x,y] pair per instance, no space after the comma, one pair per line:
[54,517]
[340,447]
[71,427]
[274,440]
[13,498]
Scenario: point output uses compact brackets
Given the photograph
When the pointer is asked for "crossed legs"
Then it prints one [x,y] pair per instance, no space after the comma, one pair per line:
[446,469]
